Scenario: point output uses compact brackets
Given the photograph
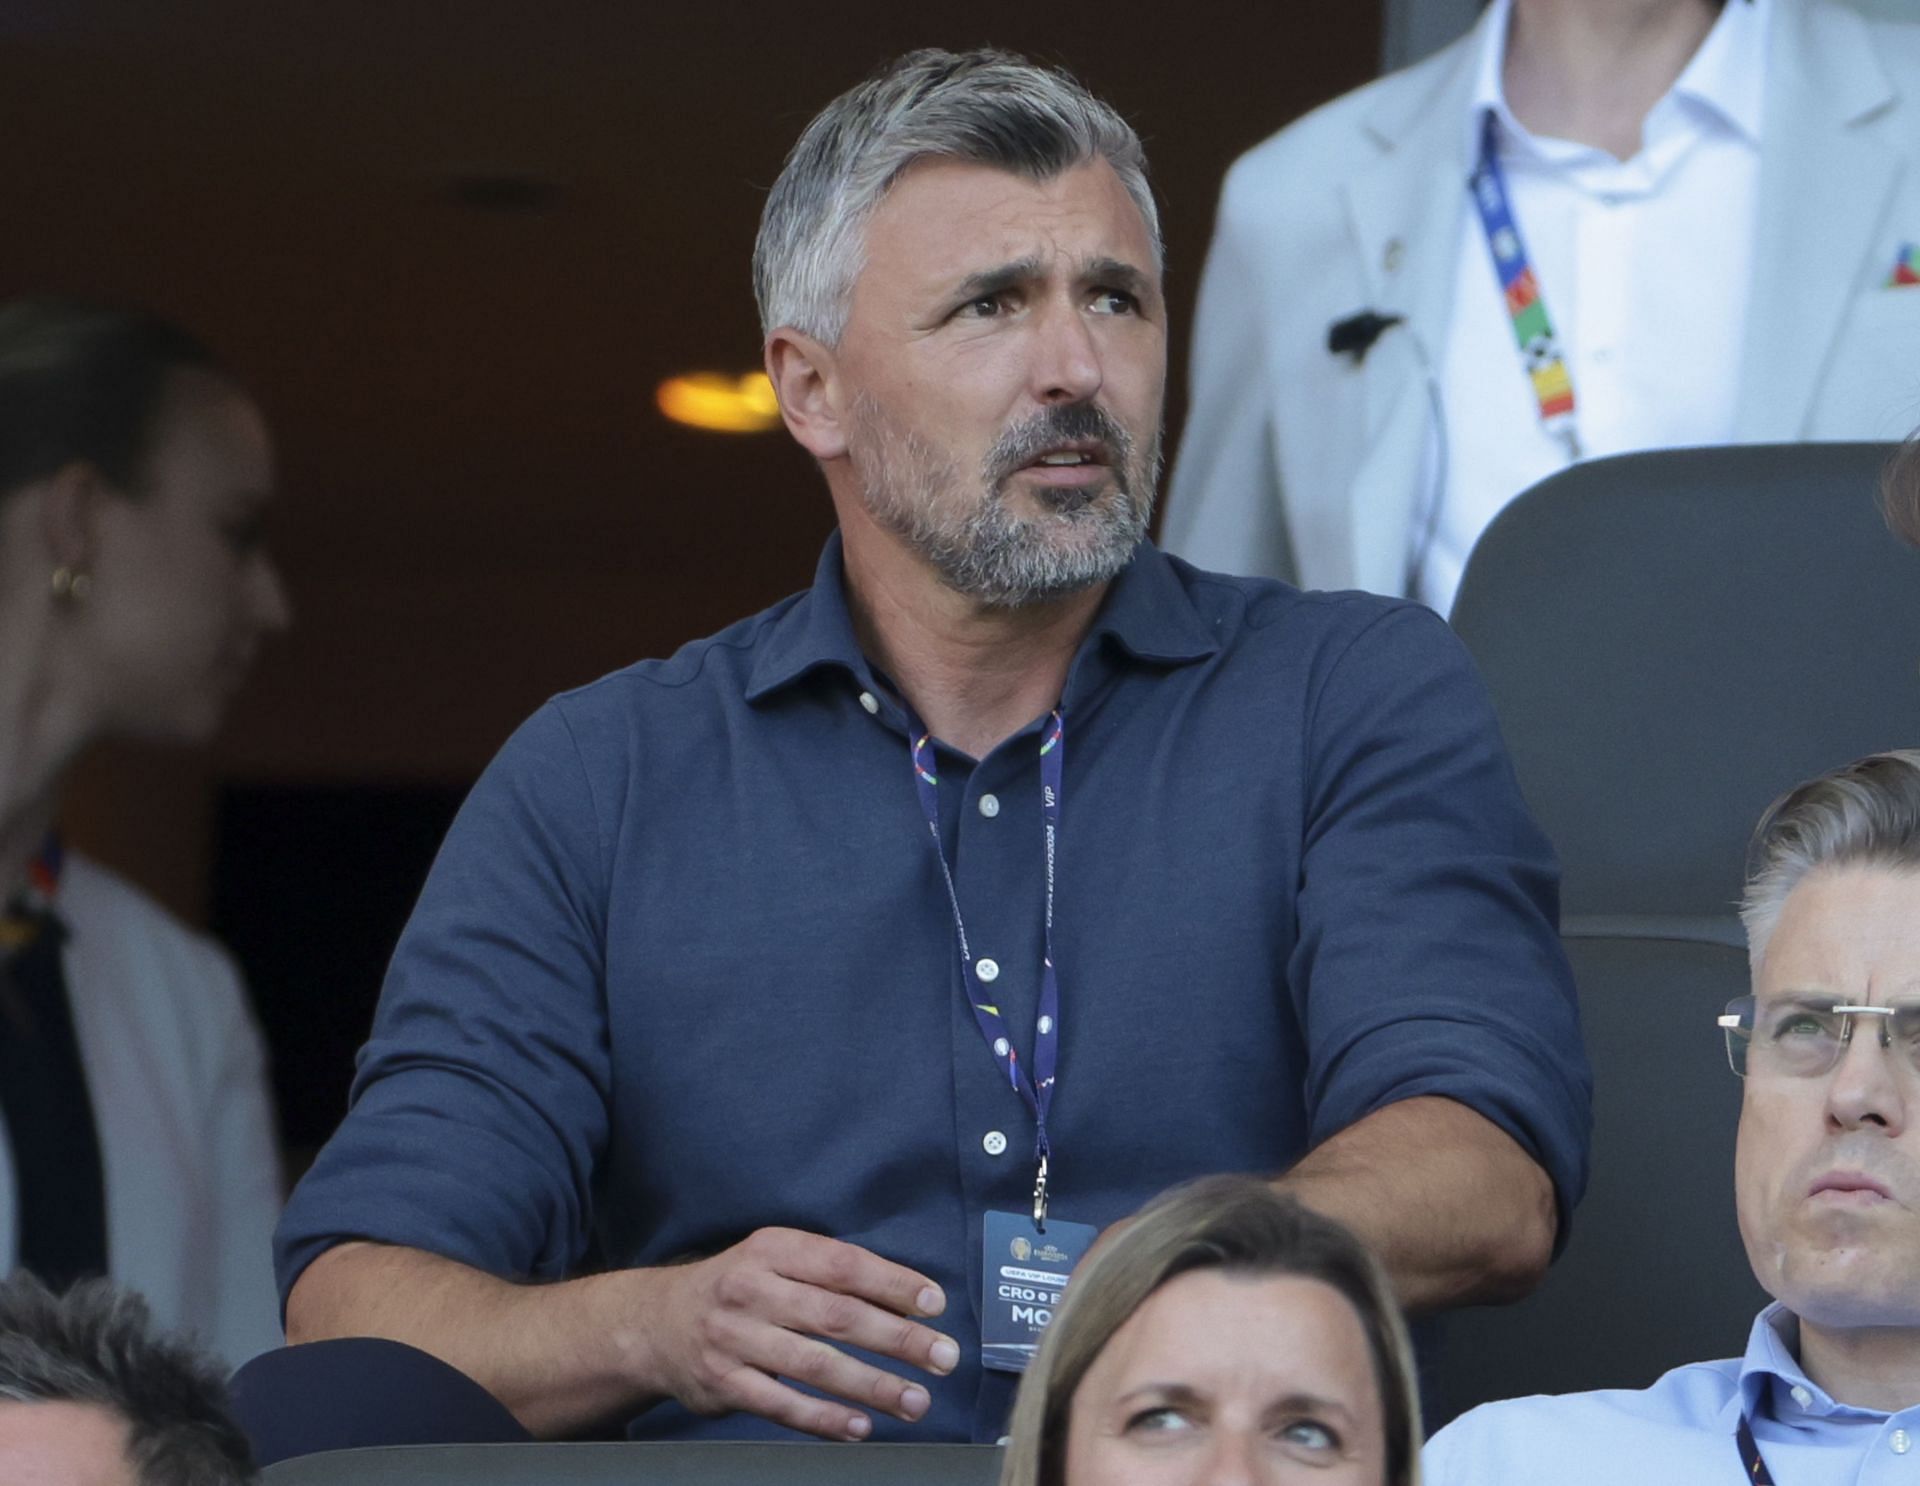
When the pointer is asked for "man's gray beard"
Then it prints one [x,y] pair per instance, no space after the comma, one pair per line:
[986,552]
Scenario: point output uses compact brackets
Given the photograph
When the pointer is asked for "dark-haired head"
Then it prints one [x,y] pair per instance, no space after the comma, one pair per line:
[135,480]
[91,1365]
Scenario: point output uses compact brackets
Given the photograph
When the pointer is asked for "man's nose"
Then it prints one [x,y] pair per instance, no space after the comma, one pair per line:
[1066,364]
[1870,1085]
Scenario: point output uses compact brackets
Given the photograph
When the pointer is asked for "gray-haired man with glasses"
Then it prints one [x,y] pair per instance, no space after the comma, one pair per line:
[1827,1179]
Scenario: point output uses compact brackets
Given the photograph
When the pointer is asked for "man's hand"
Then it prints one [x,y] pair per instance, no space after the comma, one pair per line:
[730,1328]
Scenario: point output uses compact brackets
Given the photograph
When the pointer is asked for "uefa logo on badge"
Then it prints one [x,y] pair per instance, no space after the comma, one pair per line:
[1022,1250]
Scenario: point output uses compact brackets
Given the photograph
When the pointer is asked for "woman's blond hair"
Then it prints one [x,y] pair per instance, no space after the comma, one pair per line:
[1241,1226]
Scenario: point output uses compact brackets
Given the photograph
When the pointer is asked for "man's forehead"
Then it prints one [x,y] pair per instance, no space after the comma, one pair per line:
[946,218]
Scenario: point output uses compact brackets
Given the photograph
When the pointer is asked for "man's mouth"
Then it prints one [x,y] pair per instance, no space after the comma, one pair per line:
[1074,456]
[1850,1187]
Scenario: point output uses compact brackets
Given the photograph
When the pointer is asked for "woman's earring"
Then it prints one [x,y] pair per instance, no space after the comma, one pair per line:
[71,585]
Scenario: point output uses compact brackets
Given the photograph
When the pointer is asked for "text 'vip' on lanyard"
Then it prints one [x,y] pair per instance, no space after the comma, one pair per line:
[1036,1090]
[1540,354]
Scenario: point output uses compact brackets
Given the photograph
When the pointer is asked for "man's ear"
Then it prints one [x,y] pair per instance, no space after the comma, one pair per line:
[805,377]
[69,507]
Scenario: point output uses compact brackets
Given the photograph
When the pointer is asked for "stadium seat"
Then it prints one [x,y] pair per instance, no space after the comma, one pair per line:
[1654,1274]
[1674,638]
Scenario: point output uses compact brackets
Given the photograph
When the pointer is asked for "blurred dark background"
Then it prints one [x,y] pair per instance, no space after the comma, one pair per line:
[452,248]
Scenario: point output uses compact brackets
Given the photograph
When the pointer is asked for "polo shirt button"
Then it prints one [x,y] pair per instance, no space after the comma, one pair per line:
[870,702]
[993,1143]
[1802,1397]
[987,970]
[1001,1047]
[1901,1442]
[989,806]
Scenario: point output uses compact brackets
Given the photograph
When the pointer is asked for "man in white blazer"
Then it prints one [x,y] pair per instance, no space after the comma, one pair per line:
[1722,204]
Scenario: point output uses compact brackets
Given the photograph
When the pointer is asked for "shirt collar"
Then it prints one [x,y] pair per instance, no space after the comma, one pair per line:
[1147,613]
[1727,75]
[1772,1381]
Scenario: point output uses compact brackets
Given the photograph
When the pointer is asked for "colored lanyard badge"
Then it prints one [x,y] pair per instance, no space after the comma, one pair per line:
[22,917]
[1541,358]
[1035,1090]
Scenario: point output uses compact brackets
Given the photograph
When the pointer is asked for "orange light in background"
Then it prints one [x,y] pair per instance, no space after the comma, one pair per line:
[723,404]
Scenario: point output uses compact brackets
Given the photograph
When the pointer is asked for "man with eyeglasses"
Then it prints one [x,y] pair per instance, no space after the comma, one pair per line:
[1827,1181]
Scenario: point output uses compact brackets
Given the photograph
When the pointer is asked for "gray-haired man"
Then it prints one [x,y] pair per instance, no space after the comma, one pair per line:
[1827,1179]
[91,1396]
[827,986]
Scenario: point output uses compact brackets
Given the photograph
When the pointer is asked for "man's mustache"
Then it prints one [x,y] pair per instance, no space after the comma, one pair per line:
[1063,423]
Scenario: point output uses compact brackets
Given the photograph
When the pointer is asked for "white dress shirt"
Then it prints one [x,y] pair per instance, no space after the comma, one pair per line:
[177,1073]
[1644,265]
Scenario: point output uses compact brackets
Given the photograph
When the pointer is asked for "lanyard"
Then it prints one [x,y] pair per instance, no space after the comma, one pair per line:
[1036,1090]
[22,916]
[1540,355]
[1750,1460]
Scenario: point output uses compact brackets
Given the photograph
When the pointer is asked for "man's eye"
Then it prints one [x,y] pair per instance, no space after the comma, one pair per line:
[1158,1421]
[986,307]
[1803,1024]
[1115,302]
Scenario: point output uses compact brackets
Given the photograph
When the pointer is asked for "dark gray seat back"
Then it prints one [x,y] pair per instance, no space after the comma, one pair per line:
[1672,639]
[1654,1274]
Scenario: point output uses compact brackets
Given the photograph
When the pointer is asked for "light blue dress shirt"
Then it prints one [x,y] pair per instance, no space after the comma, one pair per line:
[1682,1429]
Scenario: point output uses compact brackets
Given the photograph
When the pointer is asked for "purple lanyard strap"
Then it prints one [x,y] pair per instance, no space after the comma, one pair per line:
[1037,1090]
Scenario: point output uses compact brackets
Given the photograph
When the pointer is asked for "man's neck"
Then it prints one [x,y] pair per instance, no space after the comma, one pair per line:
[1870,1367]
[976,674]
[1591,70]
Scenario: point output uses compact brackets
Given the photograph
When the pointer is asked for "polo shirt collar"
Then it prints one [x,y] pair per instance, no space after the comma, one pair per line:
[815,632]
[1726,76]
[1147,615]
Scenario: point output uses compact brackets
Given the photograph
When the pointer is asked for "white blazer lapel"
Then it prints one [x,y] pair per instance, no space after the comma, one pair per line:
[1405,214]
[1826,182]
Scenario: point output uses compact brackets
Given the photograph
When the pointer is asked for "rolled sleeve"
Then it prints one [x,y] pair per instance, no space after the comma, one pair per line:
[1428,960]
[479,1106]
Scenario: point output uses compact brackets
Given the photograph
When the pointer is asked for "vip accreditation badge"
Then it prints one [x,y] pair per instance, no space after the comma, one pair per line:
[1025,1275]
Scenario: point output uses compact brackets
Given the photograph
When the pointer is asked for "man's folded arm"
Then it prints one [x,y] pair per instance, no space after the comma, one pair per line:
[1447,1082]
[1458,1212]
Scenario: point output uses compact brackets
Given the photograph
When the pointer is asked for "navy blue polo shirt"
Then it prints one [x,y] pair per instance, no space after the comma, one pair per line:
[685,966]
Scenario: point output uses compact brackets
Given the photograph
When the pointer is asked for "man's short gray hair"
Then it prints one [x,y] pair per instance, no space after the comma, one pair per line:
[1866,814]
[982,107]
[95,1345]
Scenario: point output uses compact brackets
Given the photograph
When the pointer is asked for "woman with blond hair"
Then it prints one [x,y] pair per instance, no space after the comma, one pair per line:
[1226,1333]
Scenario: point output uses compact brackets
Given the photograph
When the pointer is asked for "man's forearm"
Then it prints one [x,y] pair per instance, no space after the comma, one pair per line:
[1455,1209]
[562,1357]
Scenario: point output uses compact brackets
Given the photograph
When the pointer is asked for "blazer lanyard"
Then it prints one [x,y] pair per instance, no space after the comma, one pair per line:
[1540,354]
[1750,1460]
[1035,1090]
